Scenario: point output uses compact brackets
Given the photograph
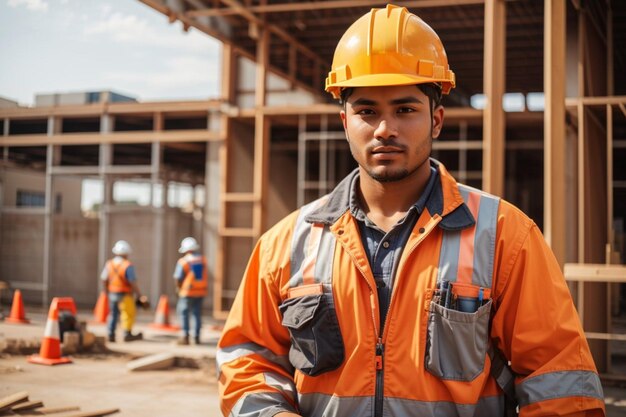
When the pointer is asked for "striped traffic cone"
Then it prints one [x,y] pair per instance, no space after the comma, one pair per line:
[17,315]
[101,310]
[50,352]
[162,316]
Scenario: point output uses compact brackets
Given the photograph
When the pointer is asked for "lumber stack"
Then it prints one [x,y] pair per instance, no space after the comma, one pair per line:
[18,404]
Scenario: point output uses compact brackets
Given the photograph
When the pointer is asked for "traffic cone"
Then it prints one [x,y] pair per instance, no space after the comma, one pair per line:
[17,315]
[50,352]
[162,316]
[101,310]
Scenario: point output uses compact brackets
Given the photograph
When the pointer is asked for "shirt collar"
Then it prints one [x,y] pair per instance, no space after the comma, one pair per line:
[455,214]
[359,214]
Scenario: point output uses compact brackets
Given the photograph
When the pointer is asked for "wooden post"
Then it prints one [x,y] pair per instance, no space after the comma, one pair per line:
[494,85]
[261,137]
[554,128]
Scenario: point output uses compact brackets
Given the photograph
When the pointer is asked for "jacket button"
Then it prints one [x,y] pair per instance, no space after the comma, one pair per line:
[422,230]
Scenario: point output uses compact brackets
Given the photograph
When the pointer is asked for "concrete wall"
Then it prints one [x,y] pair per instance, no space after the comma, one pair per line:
[69,189]
[6,103]
[74,256]
[75,270]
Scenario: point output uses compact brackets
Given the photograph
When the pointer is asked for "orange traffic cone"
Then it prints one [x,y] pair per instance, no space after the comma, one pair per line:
[17,315]
[101,310]
[50,352]
[162,316]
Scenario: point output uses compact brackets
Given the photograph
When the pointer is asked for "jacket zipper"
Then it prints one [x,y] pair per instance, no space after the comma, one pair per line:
[380,363]
[380,346]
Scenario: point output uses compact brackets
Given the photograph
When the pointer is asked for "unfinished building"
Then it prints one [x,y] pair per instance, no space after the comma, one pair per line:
[538,117]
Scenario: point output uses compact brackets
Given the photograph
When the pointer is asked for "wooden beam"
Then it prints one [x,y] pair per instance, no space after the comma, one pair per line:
[554,128]
[594,272]
[595,101]
[494,85]
[196,135]
[245,12]
[337,4]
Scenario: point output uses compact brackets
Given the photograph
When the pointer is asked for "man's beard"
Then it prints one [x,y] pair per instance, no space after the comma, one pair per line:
[400,174]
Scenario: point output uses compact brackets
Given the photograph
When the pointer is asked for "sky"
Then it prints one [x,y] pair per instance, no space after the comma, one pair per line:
[55,46]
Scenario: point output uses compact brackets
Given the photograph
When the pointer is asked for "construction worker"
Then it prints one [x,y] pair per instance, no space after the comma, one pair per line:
[402,292]
[120,283]
[191,275]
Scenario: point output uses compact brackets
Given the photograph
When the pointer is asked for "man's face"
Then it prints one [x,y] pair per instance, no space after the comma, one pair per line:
[390,130]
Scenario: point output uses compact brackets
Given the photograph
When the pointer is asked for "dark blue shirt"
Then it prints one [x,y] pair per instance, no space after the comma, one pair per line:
[385,249]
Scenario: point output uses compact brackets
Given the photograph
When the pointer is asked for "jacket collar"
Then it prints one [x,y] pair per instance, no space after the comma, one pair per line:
[445,200]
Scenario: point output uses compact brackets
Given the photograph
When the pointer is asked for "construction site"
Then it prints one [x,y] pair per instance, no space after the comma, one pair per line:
[538,117]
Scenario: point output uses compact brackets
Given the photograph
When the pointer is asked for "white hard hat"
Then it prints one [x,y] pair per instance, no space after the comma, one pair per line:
[188,244]
[121,247]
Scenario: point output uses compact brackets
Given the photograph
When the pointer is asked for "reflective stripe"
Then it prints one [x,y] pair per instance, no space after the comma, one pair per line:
[558,385]
[260,404]
[300,242]
[467,255]
[308,266]
[485,239]
[281,383]
[449,256]
[231,353]
[324,265]
[52,329]
[318,405]
[466,249]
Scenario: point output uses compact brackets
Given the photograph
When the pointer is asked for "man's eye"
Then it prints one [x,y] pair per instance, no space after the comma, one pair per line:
[406,110]
[365,112]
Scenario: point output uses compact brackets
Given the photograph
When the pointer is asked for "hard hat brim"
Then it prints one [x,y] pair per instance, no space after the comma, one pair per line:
[384,80]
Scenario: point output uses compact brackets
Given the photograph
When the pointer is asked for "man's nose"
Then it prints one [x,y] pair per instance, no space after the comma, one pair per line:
[386,129]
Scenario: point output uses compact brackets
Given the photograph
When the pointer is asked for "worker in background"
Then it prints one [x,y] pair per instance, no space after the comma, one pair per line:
[120,283]
[191,275]
[403,293]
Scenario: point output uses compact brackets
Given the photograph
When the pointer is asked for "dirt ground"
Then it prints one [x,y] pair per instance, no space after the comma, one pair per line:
[102,381]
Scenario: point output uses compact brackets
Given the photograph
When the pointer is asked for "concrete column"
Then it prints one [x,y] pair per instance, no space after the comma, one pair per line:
[47,233]
[106,154]
[157,285]
[210,216]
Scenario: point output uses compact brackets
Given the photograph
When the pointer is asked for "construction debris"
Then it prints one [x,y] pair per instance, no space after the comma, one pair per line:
[27,405]
[55,410]
[19,403]
[152,362]
[98,413]
[7,402]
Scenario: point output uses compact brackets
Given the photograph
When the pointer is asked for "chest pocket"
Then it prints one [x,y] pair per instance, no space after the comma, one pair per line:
[309,310]
[316,342]
[459,308]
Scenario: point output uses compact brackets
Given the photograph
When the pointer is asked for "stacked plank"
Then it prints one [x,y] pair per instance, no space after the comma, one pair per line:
[19,404]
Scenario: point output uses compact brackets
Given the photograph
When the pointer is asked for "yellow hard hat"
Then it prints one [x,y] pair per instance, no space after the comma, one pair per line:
[389,46]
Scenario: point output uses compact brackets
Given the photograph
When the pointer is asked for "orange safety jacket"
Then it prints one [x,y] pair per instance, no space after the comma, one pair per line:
[195,280]
[117,281]
[303,334]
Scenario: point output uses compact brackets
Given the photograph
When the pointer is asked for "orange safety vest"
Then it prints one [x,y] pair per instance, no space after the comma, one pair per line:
[117,281]
[303,334]
[196,280]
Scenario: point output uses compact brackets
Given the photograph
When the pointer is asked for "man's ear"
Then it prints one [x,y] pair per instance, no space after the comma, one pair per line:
[437,121]
[342,114]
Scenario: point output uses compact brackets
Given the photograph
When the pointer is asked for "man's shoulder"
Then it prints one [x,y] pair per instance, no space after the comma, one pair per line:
[282,228]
